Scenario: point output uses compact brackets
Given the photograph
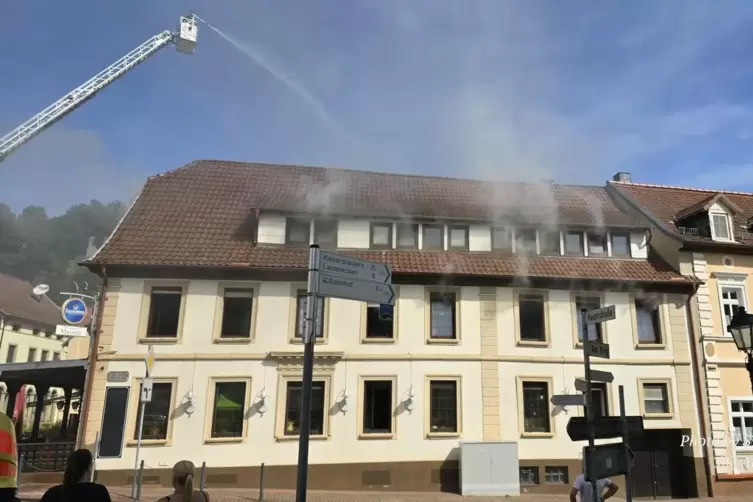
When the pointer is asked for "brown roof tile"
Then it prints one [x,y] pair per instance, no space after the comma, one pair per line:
[668,203]
[204,213]
[18,300]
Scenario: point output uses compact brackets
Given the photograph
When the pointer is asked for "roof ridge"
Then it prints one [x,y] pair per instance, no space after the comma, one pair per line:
[676,187]
[377,173]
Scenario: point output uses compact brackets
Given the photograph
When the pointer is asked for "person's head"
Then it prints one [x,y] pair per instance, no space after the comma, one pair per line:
[183,474]
[78,467]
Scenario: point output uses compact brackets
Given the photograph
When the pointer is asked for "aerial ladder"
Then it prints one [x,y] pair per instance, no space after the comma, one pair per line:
[185,41]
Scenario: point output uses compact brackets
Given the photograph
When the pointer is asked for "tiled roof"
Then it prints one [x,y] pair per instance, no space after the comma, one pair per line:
[665,203]
[18,300]
[204,214]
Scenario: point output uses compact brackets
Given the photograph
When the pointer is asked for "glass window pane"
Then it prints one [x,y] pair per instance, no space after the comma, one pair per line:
[293,409]
[459,237]
[301,311]
[502,239]
[574,243]
[236,313]
[433,237]
[156,413]
[721,227]
[647,321]
[620,244]
[525,241]
[443,402]
[442,315]
[229,408]
[535,407]
[532,320]
[381,235]
[597,244]
[594,330]
[407,235]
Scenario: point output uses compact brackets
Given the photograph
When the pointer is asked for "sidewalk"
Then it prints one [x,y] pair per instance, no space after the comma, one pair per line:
[32,493]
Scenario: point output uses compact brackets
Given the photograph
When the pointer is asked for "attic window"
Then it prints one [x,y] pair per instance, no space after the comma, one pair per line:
[720,226]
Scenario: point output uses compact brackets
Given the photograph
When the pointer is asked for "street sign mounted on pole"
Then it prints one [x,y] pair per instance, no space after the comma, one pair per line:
[149,360]
[351,289]
[596,349]
[609,460]
[146,390]
[597,316]
[604,427]
[569,400]
[353,268]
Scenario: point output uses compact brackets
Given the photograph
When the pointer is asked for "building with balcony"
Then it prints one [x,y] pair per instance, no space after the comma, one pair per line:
[709,235]
[209,267]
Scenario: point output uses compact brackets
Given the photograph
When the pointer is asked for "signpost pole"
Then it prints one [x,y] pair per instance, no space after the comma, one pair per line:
[624,426]
[589,409]
[309,340]
[149,360]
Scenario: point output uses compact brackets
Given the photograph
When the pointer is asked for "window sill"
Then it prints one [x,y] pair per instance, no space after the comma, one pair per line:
[161,340]
[150,442]
[284,439]
[650,346]
[234,340]
[442,341]
[536,435]
[533,343]
[378,340]
[224,440]
[442,435]
[659,416]
[377,436]
[299,341]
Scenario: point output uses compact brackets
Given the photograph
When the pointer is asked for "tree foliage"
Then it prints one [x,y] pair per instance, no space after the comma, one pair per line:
[45,250]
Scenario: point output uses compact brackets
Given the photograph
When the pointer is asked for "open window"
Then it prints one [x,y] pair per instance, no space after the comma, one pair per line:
[502,239]
[532,325]
[378,417]
[407,236]
[325,233]
[237,313]
[165,307]
[595,331]
[297,232]
[525,241]
[380,322]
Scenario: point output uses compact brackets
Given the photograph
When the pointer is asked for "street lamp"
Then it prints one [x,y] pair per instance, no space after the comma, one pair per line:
[741,329]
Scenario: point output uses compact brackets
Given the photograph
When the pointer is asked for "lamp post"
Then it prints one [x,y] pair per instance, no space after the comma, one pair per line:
[741,329]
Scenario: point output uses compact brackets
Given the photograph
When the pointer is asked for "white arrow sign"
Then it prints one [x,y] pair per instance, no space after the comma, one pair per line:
[353,268]
[348,289]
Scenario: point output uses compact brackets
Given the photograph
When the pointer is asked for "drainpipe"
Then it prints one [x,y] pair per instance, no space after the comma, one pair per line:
[707,449]
[92,361]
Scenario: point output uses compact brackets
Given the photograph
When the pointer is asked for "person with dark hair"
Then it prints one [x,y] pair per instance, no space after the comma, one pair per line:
[184,473]
[76,486]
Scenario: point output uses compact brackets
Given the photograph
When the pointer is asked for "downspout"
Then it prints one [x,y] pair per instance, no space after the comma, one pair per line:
[92,362]
[707,451]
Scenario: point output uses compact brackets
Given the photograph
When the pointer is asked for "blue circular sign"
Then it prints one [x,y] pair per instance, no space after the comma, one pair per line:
[74,311]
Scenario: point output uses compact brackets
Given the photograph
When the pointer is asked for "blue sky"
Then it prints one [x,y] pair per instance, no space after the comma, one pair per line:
[506,90]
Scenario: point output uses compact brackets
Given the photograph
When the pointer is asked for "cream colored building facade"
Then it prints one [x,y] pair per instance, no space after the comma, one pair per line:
[708,239]
[487,363]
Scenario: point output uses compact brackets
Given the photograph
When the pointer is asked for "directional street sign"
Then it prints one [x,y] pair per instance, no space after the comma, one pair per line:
[604,427]
[597,316]
[150,360]
[353,268]
[569,400]
[597,349]
[146,390]
[602,376]
[609,460]
[581,385]
[349,289]
[65,330]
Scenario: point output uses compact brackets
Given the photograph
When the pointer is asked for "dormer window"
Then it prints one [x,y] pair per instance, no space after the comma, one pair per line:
[297,232]
[433,237]
[720,226]
[597,244]
[574,243]
[325,233]
[407,235]
[525,240]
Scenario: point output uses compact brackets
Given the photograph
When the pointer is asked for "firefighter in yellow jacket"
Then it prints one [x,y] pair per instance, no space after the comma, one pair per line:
[8,460]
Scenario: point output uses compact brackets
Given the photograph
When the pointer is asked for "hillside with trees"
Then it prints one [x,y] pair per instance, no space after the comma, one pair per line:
[47,250]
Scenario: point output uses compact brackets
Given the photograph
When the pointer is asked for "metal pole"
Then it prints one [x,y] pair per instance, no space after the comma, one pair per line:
[94,462]
[312,313]
[203,478]
[623,425]
[83,398]
[138,445]
[19,470]
[589,409]
[141,474]
[261,483]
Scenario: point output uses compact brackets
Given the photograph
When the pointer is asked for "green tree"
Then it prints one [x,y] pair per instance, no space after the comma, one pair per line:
[47,250]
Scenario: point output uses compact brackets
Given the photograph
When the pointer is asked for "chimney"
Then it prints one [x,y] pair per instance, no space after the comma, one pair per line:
[623,177]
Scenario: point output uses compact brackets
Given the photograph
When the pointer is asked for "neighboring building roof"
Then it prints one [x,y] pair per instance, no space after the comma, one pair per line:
[204,215]
[17,300]
[668,204]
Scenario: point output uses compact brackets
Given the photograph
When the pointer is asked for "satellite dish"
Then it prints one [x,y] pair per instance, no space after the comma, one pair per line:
[41,289]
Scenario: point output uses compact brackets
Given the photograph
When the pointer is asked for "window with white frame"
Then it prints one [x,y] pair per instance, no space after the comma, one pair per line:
[731,297]
[741,412]
[720,226]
